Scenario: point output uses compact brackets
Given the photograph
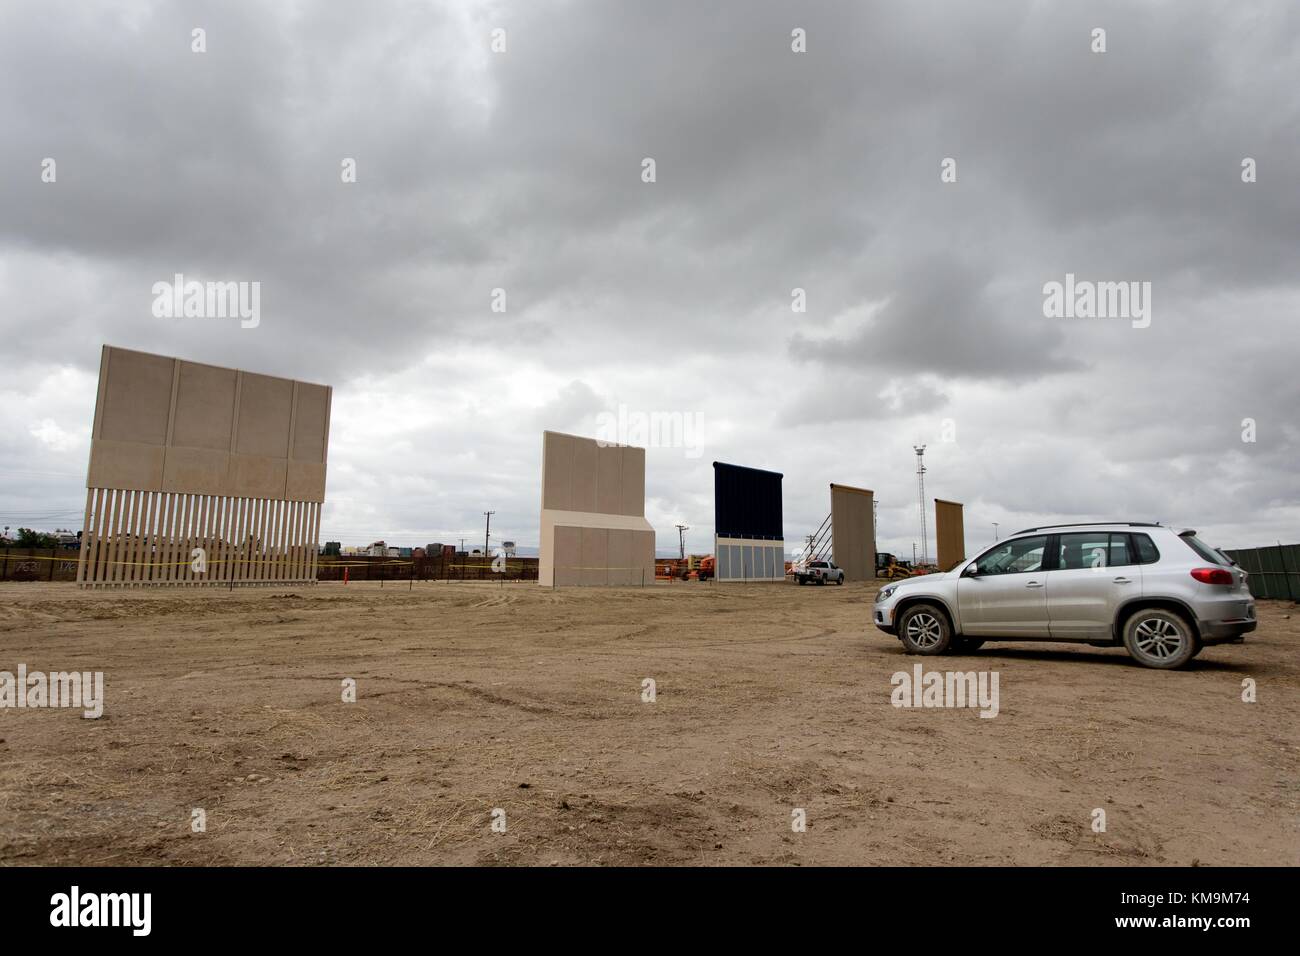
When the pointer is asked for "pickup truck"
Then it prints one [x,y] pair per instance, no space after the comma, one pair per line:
[819,572]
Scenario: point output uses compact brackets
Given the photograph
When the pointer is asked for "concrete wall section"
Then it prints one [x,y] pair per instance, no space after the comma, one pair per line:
[593,527]
[187,456]
[165,424]
[949,534]
[853,532]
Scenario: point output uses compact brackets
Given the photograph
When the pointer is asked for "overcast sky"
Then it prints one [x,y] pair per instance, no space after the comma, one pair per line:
[774,170]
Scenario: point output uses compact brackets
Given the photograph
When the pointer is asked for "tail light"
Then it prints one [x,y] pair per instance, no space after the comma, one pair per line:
[1212,575]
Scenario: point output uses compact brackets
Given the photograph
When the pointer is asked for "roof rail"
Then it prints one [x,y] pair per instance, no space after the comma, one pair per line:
[1093,524]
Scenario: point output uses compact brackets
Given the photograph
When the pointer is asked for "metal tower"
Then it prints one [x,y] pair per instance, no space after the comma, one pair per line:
[920,499]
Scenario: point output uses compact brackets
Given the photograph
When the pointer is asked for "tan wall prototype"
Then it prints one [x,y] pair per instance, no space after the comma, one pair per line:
[949,534]
[164,424]
[185,452]
[593,527]
[853,532]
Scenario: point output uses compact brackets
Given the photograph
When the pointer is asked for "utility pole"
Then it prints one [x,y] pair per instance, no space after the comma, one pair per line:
[487,531]
[920,499]
[681,539]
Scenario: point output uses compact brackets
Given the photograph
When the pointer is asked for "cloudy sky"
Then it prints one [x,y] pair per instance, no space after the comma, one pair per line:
[774,170]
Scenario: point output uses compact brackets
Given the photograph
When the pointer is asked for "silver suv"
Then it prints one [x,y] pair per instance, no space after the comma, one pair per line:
[1162,594]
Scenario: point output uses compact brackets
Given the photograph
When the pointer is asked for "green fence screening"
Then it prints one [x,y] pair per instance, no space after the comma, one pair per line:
[1274,571]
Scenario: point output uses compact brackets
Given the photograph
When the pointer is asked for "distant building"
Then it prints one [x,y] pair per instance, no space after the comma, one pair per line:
[403,552]
[378,549]
[332,548]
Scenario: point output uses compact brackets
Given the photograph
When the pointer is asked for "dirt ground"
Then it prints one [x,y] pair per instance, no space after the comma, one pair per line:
[769,698]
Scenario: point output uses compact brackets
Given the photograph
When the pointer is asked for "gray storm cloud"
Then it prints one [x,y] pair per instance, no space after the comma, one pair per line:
[775,171]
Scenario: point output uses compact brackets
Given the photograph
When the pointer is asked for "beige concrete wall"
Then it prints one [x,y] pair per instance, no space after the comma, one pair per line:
[853,532]
[185,455]
[593,526]
[165,424]
[949,534]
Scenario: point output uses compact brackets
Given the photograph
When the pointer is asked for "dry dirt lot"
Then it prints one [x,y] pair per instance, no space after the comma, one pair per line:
[478,696]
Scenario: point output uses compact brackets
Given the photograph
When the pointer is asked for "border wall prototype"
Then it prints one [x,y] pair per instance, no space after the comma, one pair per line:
[201,475]
[593,530]
[949,534]
[853,532]
[749,540]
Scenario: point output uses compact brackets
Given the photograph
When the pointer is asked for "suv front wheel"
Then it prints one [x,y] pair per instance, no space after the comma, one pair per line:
[924,629]
[1161,639]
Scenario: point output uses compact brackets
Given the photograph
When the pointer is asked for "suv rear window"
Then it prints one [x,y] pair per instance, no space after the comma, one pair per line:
[1206,552]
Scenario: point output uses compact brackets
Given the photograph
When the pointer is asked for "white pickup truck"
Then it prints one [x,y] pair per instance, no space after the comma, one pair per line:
[819,572]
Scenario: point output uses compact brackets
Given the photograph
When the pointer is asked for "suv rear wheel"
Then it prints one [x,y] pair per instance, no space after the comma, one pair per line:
[924,629]
[1161,639]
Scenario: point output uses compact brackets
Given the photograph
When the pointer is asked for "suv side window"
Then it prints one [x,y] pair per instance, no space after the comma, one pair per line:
[1094,549]
[1147,553]
[1087,550]
[1014,557]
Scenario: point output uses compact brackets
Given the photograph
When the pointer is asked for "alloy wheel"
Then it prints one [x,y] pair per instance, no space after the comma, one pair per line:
[1158,638]
[923,630]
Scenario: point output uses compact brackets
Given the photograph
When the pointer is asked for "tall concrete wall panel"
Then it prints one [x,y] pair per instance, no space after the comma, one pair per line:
[593,528]
[853,532]
[949,534]
[182,453]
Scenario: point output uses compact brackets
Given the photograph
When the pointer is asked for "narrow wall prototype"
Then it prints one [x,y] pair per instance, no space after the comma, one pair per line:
[593,529]
[202,475]
[853,532]
[949,534]
[749,540]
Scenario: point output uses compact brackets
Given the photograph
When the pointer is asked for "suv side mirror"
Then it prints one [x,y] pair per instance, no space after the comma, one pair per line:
[972,571]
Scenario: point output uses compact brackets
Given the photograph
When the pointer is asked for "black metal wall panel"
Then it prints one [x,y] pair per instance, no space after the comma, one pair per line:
[746,502]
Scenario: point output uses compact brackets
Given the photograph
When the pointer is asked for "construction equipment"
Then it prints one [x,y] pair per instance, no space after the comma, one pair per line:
[888,566]
[697,567]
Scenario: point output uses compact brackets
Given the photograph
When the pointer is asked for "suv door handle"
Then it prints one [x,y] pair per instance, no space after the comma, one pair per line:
[1122,580]
[1033,584]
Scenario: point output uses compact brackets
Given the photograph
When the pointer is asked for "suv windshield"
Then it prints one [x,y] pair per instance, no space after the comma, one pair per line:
[1204,550]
